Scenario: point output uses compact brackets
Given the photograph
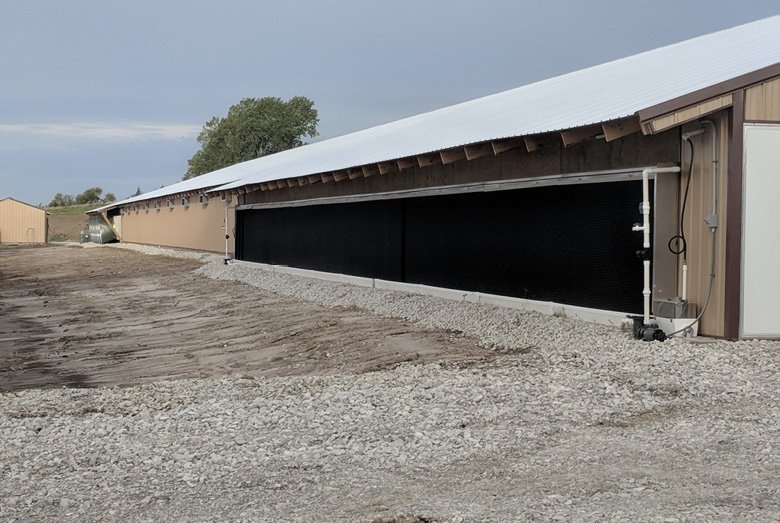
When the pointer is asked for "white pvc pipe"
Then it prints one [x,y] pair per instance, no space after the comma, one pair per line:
[714,166]
[684,293]
[226,232]
[645,228]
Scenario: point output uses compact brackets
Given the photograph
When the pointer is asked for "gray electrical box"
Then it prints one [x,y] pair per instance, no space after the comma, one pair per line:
[674,308]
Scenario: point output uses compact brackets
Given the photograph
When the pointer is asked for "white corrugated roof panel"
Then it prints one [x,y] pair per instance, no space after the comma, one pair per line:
[605,92]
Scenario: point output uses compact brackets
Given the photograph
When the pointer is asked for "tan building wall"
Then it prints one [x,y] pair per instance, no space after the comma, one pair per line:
[196,226]
[22,223]
[698,234]
[762,102]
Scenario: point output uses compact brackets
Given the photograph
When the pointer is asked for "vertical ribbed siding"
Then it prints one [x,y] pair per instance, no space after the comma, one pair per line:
[762,102]
[197,226]
[698,235]
[22,223]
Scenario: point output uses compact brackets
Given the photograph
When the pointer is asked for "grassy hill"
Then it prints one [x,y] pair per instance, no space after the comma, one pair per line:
[72,209]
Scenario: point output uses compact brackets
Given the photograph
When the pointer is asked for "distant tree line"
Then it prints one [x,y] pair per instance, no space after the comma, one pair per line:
[93,195]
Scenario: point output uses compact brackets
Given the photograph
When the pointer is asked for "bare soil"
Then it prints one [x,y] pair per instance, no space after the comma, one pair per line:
[77,317]
[67,227]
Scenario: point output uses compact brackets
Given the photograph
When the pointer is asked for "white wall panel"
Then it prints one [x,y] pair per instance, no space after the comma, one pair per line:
[761,232]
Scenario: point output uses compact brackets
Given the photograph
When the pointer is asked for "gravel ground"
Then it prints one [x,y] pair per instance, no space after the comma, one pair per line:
[573,422]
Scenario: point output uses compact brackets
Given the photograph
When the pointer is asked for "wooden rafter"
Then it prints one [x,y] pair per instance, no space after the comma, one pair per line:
[452,155]
[581,134]
[502,146]
[620,128]
[426,160]
[315,178]
[387,167]
[370,170]
[326,177]
[405,163]
[282,184]
[340,175]
[264,186]
[354,173]
[532,143]
[303,180]
[477,151]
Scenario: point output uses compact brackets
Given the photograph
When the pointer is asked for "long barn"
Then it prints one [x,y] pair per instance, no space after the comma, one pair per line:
[640,186]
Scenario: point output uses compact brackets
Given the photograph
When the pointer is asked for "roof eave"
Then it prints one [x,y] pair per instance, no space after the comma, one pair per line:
[714,91]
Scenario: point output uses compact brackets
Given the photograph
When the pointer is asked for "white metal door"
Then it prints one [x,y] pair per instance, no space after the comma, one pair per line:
[760,311]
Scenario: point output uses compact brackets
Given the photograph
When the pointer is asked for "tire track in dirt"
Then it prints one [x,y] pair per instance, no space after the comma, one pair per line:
[78,316]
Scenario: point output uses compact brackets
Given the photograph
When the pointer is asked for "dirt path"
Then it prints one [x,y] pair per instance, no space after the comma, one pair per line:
[91,317]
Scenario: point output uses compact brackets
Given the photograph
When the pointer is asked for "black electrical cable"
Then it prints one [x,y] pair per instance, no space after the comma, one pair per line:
[680,238]
[682,251]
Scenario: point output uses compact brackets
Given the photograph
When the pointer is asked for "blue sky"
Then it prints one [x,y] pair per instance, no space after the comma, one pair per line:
[113,94]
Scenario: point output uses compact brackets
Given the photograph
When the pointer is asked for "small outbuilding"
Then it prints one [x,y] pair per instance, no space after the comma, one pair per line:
[22,223]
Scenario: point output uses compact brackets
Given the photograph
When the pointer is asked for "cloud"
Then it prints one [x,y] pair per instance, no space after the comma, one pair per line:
[104,132]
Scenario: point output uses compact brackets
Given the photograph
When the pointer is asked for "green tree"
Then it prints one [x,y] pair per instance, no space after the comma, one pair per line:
[62,200]
[253,128]
[137,192]
[89,196]
[109,197]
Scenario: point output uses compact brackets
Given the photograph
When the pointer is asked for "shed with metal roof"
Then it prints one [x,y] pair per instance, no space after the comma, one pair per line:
[22,223]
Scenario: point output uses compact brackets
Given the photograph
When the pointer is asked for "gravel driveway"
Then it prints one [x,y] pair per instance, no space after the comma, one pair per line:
[566,421]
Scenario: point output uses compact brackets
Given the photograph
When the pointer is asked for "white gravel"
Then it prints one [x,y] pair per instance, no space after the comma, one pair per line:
[573,422]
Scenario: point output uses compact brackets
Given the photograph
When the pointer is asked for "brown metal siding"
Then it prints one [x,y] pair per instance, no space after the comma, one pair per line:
[22,223]
[198,226]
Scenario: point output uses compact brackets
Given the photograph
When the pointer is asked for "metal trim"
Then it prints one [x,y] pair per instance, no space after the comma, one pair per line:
[729,86]
[498,185]
[733,264]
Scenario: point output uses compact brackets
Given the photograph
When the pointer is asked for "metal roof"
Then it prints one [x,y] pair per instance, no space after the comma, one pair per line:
[610,91]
